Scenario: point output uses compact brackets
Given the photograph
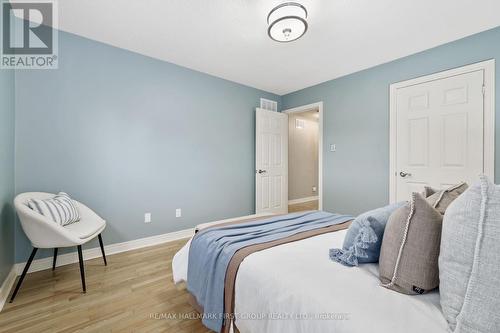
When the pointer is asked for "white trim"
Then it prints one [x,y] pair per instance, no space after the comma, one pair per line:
[302,200]
[7,285]
[488,67]
[489,119]
[71,258]
[319,106]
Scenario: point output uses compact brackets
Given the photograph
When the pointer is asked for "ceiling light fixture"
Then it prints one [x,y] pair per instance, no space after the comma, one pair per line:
[287,22]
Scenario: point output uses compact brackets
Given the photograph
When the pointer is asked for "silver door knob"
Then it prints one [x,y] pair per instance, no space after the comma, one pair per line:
[405,174]
[261,171]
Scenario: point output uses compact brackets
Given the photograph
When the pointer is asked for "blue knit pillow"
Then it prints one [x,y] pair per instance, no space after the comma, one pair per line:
[364,238]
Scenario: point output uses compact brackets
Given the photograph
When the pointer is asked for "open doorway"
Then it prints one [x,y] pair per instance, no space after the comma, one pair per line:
[304,157]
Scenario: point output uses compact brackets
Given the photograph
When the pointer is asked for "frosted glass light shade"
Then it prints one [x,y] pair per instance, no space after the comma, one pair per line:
[287,22]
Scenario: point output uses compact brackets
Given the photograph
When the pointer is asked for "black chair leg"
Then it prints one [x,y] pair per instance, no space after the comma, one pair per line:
[102,250]
[82,271]
[25,270]
[55,259]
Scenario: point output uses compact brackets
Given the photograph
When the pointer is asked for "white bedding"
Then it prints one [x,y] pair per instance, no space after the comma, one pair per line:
[298,279]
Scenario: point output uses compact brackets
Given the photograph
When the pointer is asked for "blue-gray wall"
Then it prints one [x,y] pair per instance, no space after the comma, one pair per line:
[356,118]
[127,134]
[7,118]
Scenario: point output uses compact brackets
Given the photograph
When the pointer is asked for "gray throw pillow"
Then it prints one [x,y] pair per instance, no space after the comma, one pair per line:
[443,198]
[428,191]
[469,262]
[410,248]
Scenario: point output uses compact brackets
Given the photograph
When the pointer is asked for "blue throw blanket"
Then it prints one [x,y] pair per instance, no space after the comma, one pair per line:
[212,249]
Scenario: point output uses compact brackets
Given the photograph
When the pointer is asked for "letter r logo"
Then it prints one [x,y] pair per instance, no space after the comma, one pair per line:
[27,27]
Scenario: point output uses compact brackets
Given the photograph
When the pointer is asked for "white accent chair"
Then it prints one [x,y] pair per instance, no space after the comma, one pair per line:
[45,233]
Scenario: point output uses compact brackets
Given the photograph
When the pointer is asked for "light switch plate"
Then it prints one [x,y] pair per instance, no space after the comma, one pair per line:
[333,147]
[147,218]
[178,212]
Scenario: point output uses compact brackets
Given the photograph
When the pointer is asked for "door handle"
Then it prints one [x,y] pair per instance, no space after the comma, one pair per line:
[405,174]
[260,171]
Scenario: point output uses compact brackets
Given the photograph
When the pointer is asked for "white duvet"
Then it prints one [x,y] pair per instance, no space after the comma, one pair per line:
[296,288]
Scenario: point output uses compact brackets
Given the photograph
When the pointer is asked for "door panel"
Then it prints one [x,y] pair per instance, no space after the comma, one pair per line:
[271,162]
[439,133]
[454,143]
[418,143]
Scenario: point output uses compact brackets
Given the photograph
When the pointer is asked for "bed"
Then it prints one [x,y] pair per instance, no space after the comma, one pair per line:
[295,287]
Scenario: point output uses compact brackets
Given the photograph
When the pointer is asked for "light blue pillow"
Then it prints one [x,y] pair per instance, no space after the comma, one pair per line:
[364,238]
[469,268]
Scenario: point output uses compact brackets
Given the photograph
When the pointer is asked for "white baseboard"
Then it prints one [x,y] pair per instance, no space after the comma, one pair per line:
[302,200]
[7,285]
[70,258]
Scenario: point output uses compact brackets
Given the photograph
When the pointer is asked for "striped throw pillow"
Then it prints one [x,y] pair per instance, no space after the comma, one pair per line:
[60,209]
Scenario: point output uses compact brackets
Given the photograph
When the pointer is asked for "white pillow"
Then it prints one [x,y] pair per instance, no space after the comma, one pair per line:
[59,209]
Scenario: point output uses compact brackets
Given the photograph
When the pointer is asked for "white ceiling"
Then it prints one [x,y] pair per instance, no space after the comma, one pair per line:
[229,39]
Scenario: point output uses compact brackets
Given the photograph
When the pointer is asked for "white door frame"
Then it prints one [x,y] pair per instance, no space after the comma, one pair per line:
[489,116]
[303,108]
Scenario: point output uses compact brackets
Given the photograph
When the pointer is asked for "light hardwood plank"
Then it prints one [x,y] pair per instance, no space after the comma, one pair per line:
[124,296]
[310,205]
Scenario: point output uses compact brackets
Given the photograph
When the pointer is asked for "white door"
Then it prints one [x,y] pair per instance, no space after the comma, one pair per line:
[439,133]
[271,162]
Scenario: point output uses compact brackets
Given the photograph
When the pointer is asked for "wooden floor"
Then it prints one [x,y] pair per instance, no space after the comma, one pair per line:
[310,205]
[134,293]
